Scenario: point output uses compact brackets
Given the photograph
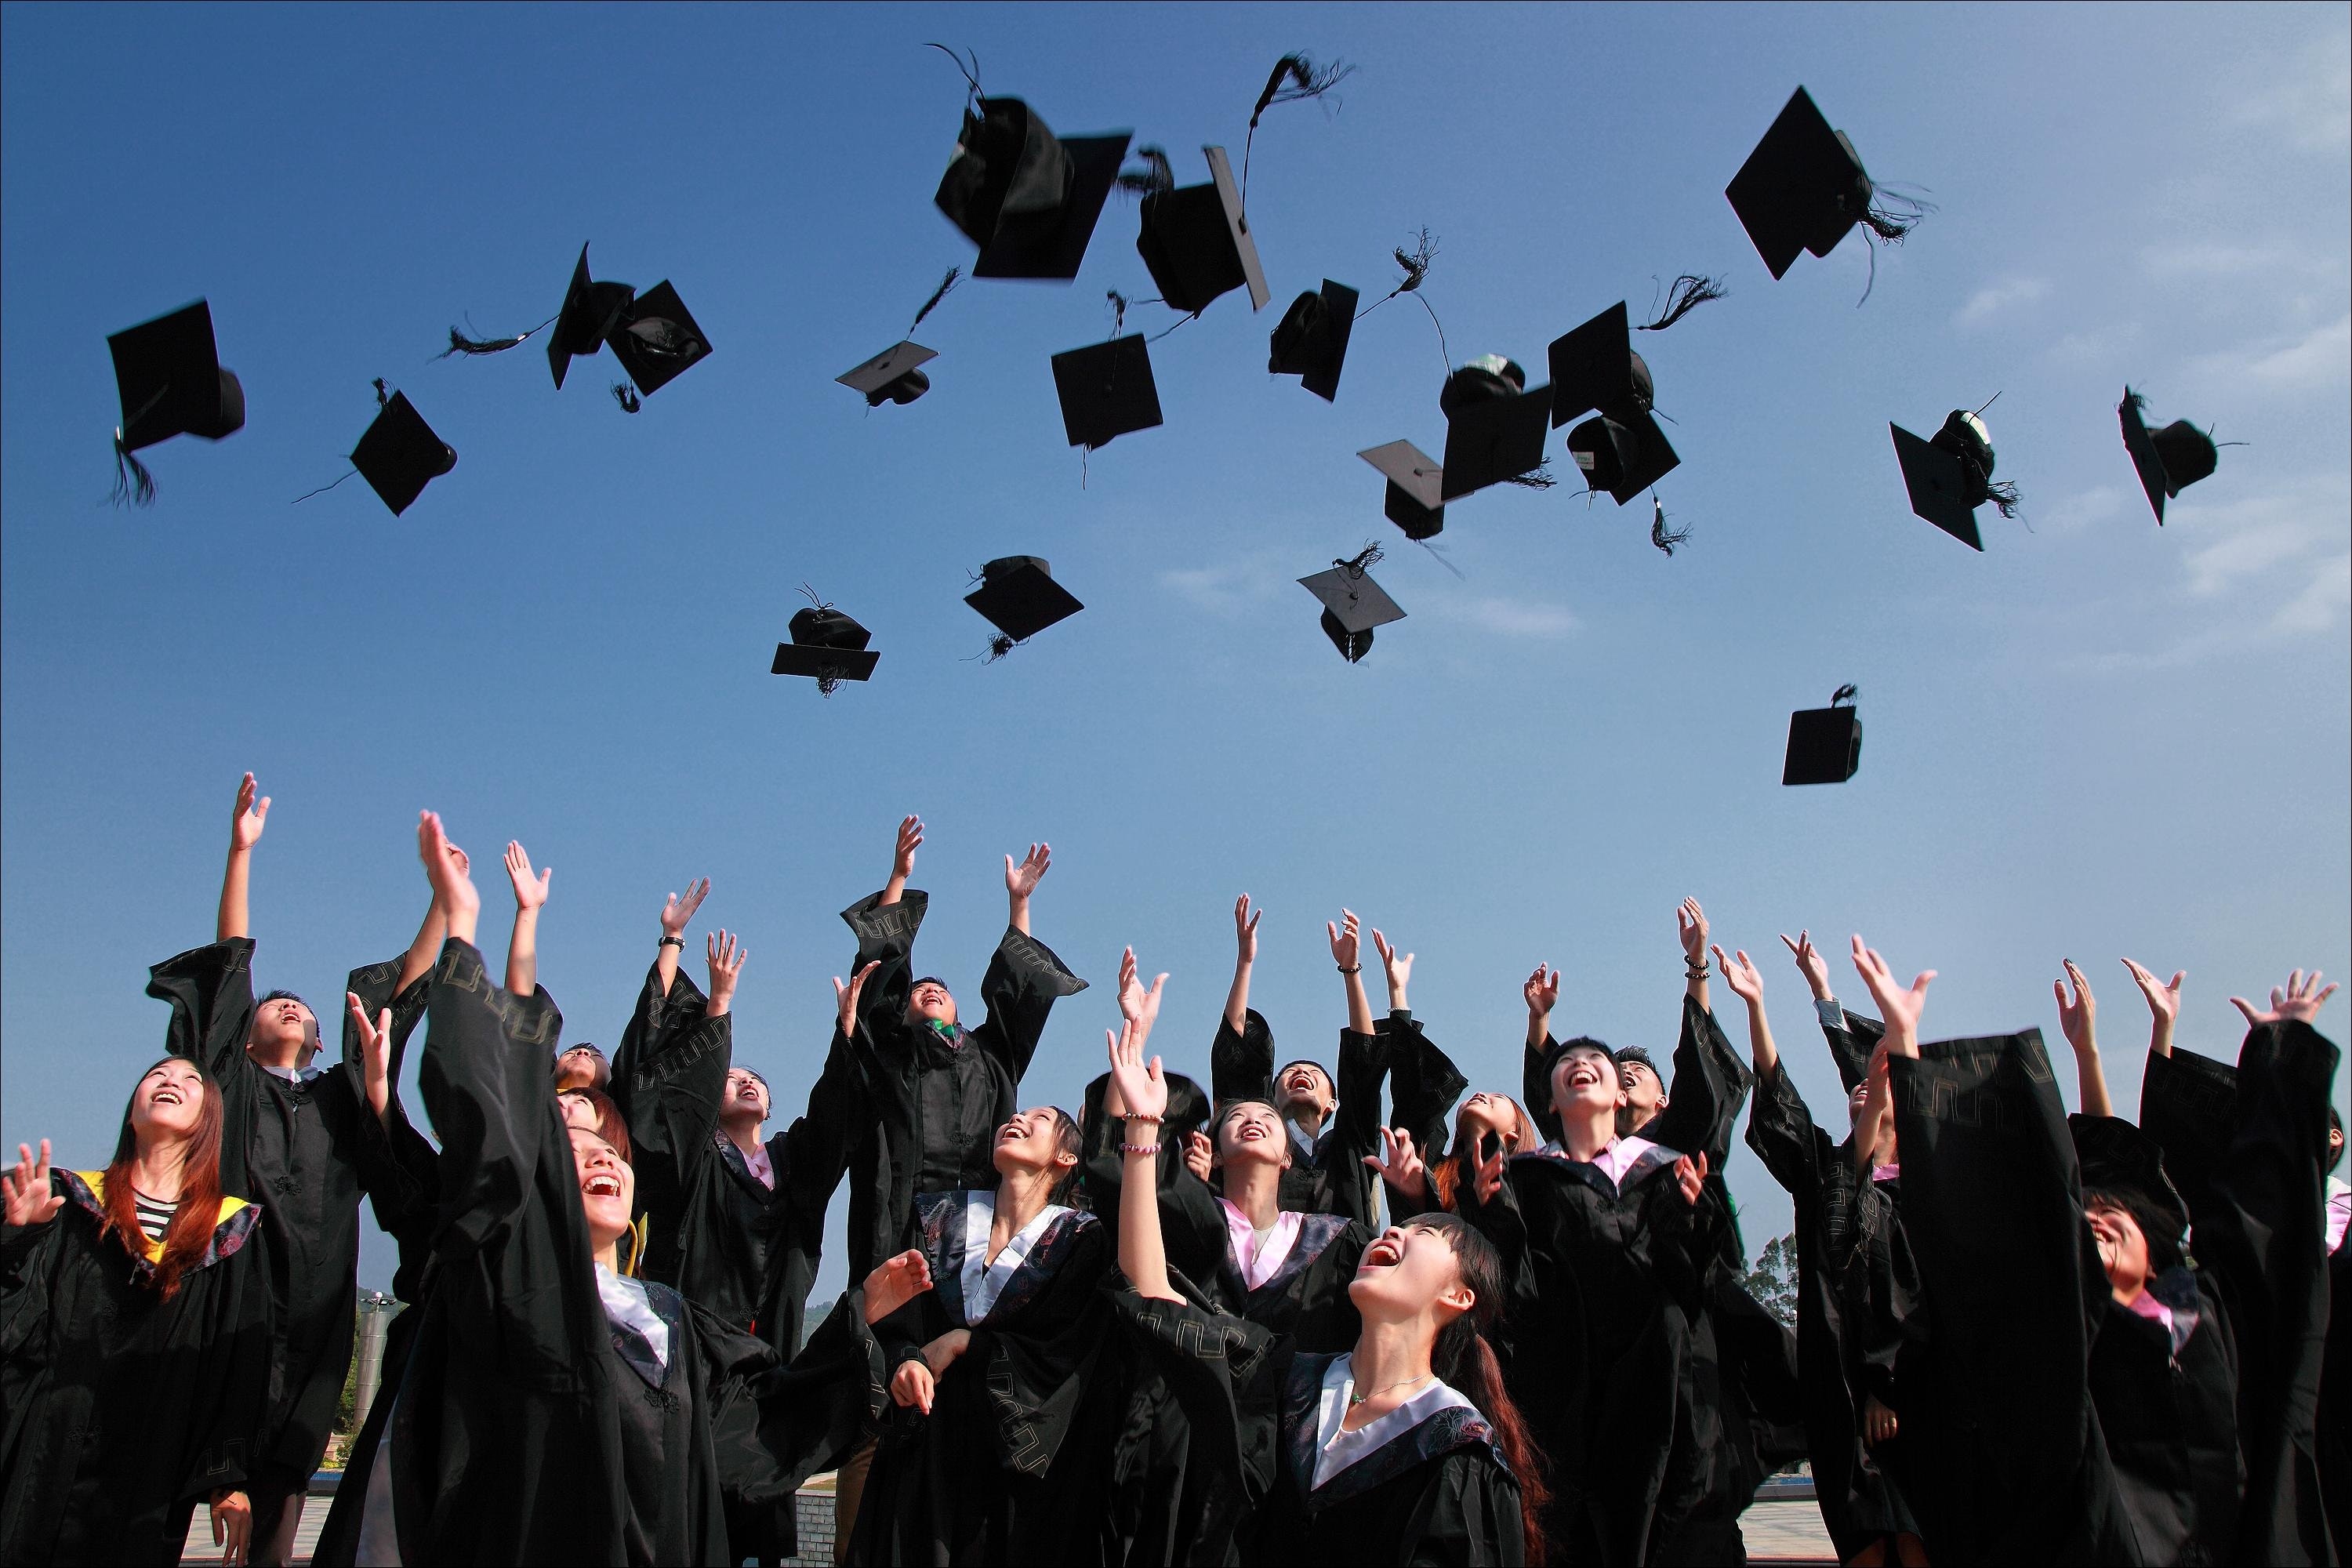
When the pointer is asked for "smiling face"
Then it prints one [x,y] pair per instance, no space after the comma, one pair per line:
[1646,1096]
[747,1097]
[284,1032]
[1035,1141]
[1304,1088]
[1251,1130]
[581,1066]
[928,1003]
[2123,1247]
[1409,1270]
[1585,1079]
[169,1101]
[608,1188]
[1483,1114]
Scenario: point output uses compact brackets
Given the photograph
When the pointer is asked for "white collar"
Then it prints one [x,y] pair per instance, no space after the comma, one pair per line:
[1336,1449]
[982,1280]
[1305,1143]
[291,1075]
[625,1304]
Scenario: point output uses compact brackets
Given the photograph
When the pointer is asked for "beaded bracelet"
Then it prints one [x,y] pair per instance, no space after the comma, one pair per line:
[1139,1148]
[1140,1116]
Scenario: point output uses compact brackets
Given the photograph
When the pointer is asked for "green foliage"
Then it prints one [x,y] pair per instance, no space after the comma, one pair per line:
[1774,1280]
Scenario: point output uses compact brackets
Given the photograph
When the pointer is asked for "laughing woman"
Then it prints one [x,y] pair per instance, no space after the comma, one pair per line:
[134,1339]
[1403,1450]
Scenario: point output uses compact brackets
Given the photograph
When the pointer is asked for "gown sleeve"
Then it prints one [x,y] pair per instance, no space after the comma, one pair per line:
[1423,1083]
[1241,1067]
[1473,1518]
[1226,1374]
[488,1092]
[885,935]
[815,1154]
[773,1425]
[1709,1084]
[1780,1130]
[1535,1087]
[232,1374]
[1024,979]
[669,1075]
[1190,1223]
[1356,1125]
[210,991]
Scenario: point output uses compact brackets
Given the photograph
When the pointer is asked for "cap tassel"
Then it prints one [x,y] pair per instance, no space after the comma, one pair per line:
[997,647]
[955,276]
[1157,177]
[459,344]
[627,397]
[1539,478]
[1295,78]
[1356,565]
[2004,495]
[134,485]
[1689,292]
[1416,269]
[970,72]
[1665,538]
[1845,693]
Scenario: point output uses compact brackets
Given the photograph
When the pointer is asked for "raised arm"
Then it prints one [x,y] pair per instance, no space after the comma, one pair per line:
[676,912]
[1245,955]
[2076,1020]
[2163,1005]
[1899,1005]
[886,924]
[1690,925]
[522,946]
[902,860]
[1346,952]
[1143,1091]
[1740,974]
[1542,994]
[236,919]
[1022,880]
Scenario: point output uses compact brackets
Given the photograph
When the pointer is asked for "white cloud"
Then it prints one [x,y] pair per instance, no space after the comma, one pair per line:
[1995,297]
[1516,617]
[2308,98]
[2271,540]
[2320,357]
[2209,259]
[2321,604]
[2094,505]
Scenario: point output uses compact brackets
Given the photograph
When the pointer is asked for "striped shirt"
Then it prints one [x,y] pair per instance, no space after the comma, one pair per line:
[154,1218]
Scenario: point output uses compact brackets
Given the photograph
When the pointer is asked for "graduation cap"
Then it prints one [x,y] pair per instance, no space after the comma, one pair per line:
[1621,457]
[1805,186]
[2168,461]
[1950,476]
[1311,341]
[169,376]
[591,310]
[2118,1157]
[400,455]
[1027,198]
[1018,596]
[1107,390]
[1824,744]
[1416,495]
[656,340]
[1195,239]
[1494,431]
[891,376]
[826,645]
[1352,602]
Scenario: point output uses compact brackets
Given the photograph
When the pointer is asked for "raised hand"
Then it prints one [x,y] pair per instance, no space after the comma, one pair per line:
[1810,963]
[1542,991]
[911,1386]
[1142,1088]
[1690,925]
[1899,1006]
[2163,1004]
[898,1281]
[1346,943]
[1200,1155]
[1022,880]
[452,887]
[529,891]
[29,1195]
[2298,1001]
[375,1052]
[677,911]
[2077,1017]
[1397,965]
[845,999]
[1246,929]
[1399,1164]
[910,838]
[725,955]
[1690,1175]
[1130,989]
[1741,977]
[245,826]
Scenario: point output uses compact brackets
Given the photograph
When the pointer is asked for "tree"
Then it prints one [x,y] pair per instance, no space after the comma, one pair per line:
[1774,1280]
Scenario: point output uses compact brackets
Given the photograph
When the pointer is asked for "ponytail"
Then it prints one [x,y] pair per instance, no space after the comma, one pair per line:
[1465,1358]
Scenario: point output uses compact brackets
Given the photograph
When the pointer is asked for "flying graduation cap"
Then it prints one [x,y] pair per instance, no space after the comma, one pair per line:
[893,375]
[1594,369]
[1106,390]
[2168,461]
[1352,602]
[1804,187]
[1495,428]
[826,645]
[1824,744]
[652,334]
[1028,198]
[1415,501]
[1018,596]
[1311,340]
[170,381]
[398,454]
[1950,476]
[1195,241]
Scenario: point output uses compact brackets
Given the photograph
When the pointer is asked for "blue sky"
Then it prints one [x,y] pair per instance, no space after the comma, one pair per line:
[2099,737]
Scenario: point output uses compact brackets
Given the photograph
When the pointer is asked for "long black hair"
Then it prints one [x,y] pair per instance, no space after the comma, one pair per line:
[1465,1358]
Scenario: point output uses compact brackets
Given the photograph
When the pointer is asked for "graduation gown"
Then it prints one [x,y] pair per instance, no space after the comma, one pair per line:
[305,1152]
[119,1410]
[525,1425]
[936,1101]
[1333,1177]
[1856,1287]
[1423,1083]
[1439,1491]
[2246,1150]
[1011,1465]
[1606,1287]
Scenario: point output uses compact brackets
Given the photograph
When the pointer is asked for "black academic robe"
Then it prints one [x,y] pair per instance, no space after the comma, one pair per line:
[2167,1412]
[936,1098]
[520,1431]
[1333,1179]
[2246,1150]
[121,1411]
[1012,1463]
[1423,1083]
[305,1152]
[1438,1493]
[1607,1288]
[1855,1285]
[2335,1434]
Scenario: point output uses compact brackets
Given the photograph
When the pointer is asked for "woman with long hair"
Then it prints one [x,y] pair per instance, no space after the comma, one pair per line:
[134,1339]
[1404,1448]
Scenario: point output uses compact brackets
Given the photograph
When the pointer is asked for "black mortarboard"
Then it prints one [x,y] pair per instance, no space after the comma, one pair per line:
[656,340]
[1195,239]
[400,454]
[169,375]
[1493,433]
[2168,461]
[591,310]
[826,645]
[1824,744]
[1802,188]
[1416,495]
[891,376]
[1594,367]
[1018,596]
[1107,390]
[1027,198]
[1621,457]
[1352,605]
[1950,476]
[1311,341]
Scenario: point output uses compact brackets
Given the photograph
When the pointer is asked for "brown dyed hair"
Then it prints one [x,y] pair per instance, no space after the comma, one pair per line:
[1446,1176]
[611,1125]
[190,1234]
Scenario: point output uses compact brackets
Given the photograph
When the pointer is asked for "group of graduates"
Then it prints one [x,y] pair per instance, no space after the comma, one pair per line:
[1303,1315]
